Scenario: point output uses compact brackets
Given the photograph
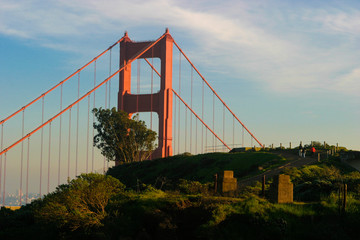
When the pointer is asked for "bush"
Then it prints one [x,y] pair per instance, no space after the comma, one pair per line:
[80,204]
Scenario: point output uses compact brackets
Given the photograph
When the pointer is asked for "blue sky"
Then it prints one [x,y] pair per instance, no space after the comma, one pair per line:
[289,69]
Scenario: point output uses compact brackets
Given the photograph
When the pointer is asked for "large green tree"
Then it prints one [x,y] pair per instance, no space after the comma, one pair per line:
[121,138]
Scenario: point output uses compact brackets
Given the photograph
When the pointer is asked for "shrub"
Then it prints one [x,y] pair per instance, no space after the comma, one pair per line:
[81,203]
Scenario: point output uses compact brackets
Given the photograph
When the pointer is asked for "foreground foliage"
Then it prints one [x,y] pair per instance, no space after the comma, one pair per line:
[94,206]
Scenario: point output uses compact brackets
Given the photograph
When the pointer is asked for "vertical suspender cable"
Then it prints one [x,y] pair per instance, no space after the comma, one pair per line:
[202,117]
[87,137]
[233,132]
[223,123]
[69,144]
[214,121]
[22,159]
[196,136]
[174,135]
[93,132]
[42,142]
[106,93]
[109,90]
[61,94]
[242,137]
[77,129]
[27,172]
[1,148]
[152,88]
[191,100]
[179,123]
[4,182]
[110,81]
[185,142]
[137,85]
[206,140]
[49,157]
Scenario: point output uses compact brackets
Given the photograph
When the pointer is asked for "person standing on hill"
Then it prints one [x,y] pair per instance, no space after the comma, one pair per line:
[313,151]
[300,150]
[303,152]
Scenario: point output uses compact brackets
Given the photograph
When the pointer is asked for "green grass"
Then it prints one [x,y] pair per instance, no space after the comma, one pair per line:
[200,167]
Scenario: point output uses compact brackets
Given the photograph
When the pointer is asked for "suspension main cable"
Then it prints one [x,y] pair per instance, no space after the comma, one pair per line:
[201,120]
[207,83]
[60,83]
[85,95]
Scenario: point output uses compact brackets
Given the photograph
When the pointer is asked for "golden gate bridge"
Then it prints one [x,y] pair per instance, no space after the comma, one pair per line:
[191,116]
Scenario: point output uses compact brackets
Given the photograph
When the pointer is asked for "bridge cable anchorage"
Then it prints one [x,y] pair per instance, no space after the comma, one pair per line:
[84,96]
[77,129]
[49,157]
[207,83]
[4,181]
[42,143]
[60,83]
[188,107]
[27,171]
[22,156]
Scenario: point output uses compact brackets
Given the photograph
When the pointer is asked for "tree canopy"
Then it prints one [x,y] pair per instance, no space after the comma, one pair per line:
[121,138]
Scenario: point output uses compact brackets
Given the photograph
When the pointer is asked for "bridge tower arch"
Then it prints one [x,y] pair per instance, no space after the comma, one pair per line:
[160,102]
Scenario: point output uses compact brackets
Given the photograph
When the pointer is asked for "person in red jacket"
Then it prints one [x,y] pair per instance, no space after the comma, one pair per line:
[313,151]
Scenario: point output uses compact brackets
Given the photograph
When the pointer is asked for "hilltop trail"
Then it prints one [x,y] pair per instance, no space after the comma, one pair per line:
[293,161]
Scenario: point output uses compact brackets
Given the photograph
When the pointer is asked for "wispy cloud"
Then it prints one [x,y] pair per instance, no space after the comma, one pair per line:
[283,50]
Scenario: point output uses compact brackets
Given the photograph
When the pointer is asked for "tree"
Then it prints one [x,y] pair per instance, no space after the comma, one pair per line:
[81,203]
[121,138]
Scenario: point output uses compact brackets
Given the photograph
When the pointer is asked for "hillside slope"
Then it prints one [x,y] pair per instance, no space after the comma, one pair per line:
[200,167]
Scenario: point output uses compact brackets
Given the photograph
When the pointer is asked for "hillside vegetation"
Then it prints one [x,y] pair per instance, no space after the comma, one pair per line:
[95,206]
[201,168]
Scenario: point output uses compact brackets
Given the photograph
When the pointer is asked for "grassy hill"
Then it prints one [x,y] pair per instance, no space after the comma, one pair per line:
[199,168]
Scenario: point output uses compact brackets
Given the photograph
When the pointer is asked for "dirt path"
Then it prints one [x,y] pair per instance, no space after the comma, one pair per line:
[294,161]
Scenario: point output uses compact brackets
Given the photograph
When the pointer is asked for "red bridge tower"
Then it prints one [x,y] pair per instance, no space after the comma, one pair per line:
[160,102]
